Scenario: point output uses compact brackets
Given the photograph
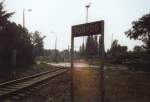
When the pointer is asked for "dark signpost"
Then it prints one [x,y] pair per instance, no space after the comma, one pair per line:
[88,29]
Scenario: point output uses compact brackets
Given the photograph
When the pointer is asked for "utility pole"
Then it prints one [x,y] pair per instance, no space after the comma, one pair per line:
[102,74]
[87,14]
[14,51]
[24,10]
[56,43]
[87,11]
[23,18]
[56,49]
[112,37]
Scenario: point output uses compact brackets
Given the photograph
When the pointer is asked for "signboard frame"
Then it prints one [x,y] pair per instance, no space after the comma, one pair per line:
[76,32]
[87,29]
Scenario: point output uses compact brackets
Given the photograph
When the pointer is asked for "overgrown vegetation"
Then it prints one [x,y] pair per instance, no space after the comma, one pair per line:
[126,86]
[92,47]
[138,59]
[17,46]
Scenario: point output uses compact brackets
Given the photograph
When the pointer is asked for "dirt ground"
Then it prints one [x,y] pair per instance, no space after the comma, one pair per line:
[121,85]
[57,90]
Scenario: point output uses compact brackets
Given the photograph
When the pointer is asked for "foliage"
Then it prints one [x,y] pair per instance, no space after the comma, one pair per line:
[126,86]
[91,47]
[4,16]
[15,43]
[21,42]
[37,41]
[138,49]
[82,50]
[141,30]
[138,65]
[117,52]
[5,42]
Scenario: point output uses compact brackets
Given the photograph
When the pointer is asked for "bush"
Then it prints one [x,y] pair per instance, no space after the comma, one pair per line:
[138,65]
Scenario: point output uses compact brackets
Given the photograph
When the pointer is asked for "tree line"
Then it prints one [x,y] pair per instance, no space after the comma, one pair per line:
[118,54]
[17,45]
[91,48]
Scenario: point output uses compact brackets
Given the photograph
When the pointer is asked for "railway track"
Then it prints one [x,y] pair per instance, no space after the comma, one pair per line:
[21,87]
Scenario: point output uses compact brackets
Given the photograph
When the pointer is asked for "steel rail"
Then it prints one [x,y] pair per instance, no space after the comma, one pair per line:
[25,78]
[18,86]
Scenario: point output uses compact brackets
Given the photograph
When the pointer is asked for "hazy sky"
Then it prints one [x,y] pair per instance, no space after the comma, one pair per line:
[58,16]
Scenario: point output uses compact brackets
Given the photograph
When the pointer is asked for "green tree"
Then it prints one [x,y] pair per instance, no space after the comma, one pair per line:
[82,51]
[141,30]
[4,17]
[14,38]
[91,48]
[95,46]
[37,41]
[139,53]
[18,38]
[117,52]
[138,49]
[5,51]
[99,46]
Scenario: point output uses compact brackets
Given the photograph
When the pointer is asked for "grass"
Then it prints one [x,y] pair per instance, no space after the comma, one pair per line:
[94,62]
[97,62]
[25,71]
[127,86]
[121,85]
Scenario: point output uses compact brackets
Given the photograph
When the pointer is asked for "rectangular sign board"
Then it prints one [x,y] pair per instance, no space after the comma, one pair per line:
[88,29]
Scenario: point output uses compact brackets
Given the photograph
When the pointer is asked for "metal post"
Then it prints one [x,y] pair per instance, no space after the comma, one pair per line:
[56,49]
[56,43]
[87,11]
[72,74]
[102,81]
[69,54]
[87,7]
[72,50]
[23,19]
[87,14]
[112,37]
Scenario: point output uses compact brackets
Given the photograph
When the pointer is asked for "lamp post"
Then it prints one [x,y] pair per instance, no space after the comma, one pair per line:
[24,10]
[55,40]
[87,11]
[14,51]
[55,47]
[87,14]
